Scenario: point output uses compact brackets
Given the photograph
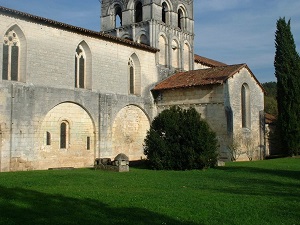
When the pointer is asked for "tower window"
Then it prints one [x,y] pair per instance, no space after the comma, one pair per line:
[118,17]
[180,19]
[138,12]
[79,67]
[164,12]
[11,52]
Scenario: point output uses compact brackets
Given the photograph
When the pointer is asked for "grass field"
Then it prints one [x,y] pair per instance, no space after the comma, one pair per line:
[263,192]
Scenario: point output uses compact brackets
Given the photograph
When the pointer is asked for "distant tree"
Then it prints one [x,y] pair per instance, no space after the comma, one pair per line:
[270,98]
[179,139]
[287,72]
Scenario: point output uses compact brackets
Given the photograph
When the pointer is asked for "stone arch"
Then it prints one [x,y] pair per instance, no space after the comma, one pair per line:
[163,47]
[83,46]
[134,79]
[22,52]
[129,131]
[142,37]
[80,127]
[187,55]
[115,10]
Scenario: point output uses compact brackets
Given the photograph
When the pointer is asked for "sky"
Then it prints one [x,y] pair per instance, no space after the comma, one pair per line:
[230,31]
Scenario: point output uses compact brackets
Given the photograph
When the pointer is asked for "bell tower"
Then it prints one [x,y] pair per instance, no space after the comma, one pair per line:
[163,24]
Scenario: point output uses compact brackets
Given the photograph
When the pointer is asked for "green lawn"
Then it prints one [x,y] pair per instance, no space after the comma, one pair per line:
[264,192]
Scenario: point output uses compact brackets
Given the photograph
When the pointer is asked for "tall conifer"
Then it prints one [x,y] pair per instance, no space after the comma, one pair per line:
[287,72]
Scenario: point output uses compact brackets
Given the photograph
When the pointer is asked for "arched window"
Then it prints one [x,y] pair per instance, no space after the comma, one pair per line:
[64,134]
[118,17]
[80,72]
[11,56]
[138,12]
[181,19]
[245,104]
[131,77]
[165,13]
[48,138]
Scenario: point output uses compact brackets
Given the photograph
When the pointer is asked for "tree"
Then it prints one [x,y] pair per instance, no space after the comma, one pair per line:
[287,72]
[179,139]
[270,98]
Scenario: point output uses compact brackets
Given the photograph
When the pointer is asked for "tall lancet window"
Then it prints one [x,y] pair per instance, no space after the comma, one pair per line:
[245,104]
[131,77]
[11,53]
[138,12]
[80,71]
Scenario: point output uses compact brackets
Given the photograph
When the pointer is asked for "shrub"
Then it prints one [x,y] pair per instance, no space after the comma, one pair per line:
[179,139]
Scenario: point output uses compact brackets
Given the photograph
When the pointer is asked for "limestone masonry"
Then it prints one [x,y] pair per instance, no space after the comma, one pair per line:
[69,95]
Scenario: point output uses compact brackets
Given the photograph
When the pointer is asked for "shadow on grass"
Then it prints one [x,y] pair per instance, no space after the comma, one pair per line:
[21,206]
[262,182]
[292,174]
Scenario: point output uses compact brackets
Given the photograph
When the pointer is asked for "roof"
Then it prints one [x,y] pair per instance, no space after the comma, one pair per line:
[208,62]
[79,30]
[201,77]
[269,118]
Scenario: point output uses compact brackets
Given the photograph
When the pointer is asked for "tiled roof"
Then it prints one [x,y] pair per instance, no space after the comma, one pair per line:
[208,62]
[215,75]
[79,30]
[269,118]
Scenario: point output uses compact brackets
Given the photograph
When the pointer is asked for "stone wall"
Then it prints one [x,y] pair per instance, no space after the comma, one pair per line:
[47,96]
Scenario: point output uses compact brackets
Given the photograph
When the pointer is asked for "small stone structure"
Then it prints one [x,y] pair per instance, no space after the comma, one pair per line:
[120,163]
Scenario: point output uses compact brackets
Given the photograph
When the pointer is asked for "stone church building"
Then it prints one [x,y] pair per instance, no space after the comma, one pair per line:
[69,95]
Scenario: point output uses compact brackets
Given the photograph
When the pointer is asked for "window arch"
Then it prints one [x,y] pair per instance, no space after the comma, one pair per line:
[64,134]
[245,105]
[131,76]
[175,54]
[187,57]
[11,56]
[181,18]
[138,12]
[163,47]
[80,65]
[83,66]
[134,75]
[165,13]
[14,55]
[118,16]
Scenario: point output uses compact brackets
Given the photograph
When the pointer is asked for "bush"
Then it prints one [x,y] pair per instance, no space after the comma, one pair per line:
[180,140]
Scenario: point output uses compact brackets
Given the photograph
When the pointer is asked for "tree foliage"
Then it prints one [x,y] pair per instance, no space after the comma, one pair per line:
[287,72]
[270,98]
[179,139]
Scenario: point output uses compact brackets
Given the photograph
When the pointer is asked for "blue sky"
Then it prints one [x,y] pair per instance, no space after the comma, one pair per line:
[230,31]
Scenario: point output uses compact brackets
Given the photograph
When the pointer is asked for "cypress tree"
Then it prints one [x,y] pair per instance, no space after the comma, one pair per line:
[287,72]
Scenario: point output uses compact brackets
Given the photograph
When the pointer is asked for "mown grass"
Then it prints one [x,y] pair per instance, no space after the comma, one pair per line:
[264,192]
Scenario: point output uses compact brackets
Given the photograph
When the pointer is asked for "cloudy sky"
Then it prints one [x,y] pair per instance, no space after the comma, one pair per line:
[230,31]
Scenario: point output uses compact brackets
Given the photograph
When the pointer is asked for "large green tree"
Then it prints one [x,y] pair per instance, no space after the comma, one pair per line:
[179,139]
[287,72]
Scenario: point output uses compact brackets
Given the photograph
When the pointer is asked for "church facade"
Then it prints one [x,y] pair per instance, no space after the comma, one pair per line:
[70,95]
